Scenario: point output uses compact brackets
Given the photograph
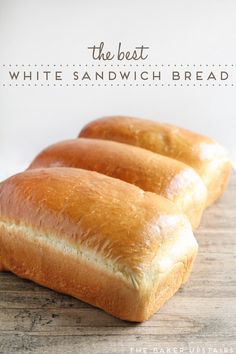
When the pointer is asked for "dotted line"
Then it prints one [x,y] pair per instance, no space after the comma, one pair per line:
[114,65]
[113,85]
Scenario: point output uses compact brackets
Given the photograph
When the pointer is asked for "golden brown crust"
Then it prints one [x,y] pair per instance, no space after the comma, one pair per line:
[152,172]
[91,284]
[203,154]
[94,237]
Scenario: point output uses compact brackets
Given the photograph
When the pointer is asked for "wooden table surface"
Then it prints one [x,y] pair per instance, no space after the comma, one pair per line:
[200,318]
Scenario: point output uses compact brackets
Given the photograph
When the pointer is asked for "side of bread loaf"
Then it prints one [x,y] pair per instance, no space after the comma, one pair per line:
[147,170]
[208,158]
[94,237]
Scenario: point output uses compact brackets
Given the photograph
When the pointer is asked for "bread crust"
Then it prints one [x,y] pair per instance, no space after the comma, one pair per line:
[73,231]
[152,172]
[209,159]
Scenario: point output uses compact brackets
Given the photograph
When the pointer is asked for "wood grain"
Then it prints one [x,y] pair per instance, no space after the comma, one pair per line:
[200,318]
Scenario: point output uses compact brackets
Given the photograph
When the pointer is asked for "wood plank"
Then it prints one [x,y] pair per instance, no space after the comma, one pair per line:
[113,344]
[89,320]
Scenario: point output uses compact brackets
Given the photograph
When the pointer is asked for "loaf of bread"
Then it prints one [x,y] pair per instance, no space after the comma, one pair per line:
[152,172]
[100,239]
[208,158]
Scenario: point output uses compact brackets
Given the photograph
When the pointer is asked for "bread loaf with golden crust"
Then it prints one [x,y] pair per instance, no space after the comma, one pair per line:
[94,237]
[152,172]
[209,159]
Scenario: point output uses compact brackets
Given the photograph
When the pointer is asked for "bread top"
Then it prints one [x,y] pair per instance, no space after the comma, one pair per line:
[113,224]
[179,143]
[151,172]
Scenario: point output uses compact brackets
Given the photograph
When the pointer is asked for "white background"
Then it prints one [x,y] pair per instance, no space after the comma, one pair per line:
[54,32]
